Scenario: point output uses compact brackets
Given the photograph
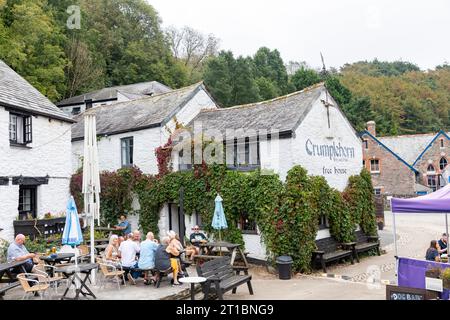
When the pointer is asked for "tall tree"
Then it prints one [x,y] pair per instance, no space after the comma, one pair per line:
[269,64]
[192,48]
[31,45]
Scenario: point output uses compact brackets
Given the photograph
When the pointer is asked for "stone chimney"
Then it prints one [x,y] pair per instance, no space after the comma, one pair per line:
[371,128]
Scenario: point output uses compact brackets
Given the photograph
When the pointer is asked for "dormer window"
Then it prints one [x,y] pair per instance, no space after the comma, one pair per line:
[20,129]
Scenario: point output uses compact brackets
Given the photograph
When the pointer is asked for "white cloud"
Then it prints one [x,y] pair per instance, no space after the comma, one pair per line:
[344,30]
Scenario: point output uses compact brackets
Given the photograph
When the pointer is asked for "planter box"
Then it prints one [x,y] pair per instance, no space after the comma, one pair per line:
[40,227]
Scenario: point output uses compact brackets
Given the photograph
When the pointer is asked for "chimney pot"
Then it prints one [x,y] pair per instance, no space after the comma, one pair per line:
[371,127]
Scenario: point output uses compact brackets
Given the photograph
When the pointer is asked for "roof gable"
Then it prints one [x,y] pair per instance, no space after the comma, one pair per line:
[16,92]
[365,132]
[440,133]
[137,114]
[283,113]
[132,90]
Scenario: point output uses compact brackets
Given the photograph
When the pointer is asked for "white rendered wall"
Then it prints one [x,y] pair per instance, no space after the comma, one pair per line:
[144,144]
[49,155]
[315,129]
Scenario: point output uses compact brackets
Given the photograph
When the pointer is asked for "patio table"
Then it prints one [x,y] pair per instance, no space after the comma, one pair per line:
[60,257]
[72,273]
[101,247]
[6,268]
[192,281]
[232,248]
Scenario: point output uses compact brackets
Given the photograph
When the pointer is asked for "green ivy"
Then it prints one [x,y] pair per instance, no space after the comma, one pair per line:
[287,214]
[360,198]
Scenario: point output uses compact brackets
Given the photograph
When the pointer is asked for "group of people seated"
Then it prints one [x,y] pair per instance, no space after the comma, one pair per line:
[136,257]
[437,249]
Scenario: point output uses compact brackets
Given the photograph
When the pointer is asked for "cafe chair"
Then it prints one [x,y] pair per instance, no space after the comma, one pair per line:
[110,272]
[40,286]
[84,253]
[55,280]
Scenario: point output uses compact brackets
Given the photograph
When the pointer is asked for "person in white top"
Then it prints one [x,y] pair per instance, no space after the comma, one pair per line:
[128,250]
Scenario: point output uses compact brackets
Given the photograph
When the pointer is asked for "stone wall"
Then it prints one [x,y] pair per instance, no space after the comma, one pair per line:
[432,156]
[394,177]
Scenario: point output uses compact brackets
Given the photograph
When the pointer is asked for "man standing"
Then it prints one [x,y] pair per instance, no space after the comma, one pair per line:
[128,250]
[124,225]
[18,252]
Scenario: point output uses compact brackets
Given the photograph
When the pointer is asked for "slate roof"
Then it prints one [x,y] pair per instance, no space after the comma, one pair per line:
[408,147]
[136,114]
[16,92]
[283,113]
[131,90]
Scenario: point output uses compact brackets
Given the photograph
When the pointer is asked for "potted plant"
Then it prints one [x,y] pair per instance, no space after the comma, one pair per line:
[445,276]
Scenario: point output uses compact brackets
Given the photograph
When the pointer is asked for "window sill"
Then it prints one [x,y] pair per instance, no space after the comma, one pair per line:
[251,168]
[375,172]
[19,145]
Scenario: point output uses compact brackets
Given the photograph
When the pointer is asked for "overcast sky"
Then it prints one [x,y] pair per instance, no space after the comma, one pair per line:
[344,31]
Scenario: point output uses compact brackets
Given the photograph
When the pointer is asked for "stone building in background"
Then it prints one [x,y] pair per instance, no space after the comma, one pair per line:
[406,165]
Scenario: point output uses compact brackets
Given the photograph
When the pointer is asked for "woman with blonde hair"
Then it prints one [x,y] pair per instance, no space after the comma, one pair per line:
[112,250]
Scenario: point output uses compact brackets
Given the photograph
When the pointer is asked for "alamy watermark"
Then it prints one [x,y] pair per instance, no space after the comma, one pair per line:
[74,20]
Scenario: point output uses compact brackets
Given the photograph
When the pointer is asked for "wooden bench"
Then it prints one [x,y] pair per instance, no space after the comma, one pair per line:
[364,243]
[5,288]
[221,277]
[328,250]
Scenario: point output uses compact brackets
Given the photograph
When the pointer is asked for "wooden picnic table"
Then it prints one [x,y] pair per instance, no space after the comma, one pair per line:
[99,241]
[6,269]
[208,250]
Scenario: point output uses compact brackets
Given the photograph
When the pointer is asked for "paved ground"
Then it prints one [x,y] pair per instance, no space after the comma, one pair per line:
[365,279]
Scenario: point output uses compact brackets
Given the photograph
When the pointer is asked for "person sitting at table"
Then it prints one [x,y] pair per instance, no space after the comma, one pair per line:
[197,238]
[164,261]
[18,252]
[124,225]
[176,243]
[442,243]
[137,236]
[127,251]
[147,256]
[112,250]
[432,252]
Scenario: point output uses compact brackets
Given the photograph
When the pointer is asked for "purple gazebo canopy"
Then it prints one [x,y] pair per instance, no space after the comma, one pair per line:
[435,202]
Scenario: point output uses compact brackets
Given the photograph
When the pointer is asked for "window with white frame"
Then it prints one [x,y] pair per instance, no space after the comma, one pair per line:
[20,129]
[377,191]
[374,165]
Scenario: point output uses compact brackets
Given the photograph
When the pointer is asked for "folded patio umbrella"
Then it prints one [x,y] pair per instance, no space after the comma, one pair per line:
[72,234]
[219,221]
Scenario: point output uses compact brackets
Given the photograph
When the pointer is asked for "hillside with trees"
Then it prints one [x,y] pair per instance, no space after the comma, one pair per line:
[123,41]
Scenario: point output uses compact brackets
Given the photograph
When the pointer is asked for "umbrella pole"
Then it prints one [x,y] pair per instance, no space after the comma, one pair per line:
[92,241]
[446,231]
[395,241]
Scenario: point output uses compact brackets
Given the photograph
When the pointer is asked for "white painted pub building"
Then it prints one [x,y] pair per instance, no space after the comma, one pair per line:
[35,153]
[306,128]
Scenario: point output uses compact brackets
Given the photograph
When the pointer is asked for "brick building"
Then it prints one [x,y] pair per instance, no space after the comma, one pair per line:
[406,164]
